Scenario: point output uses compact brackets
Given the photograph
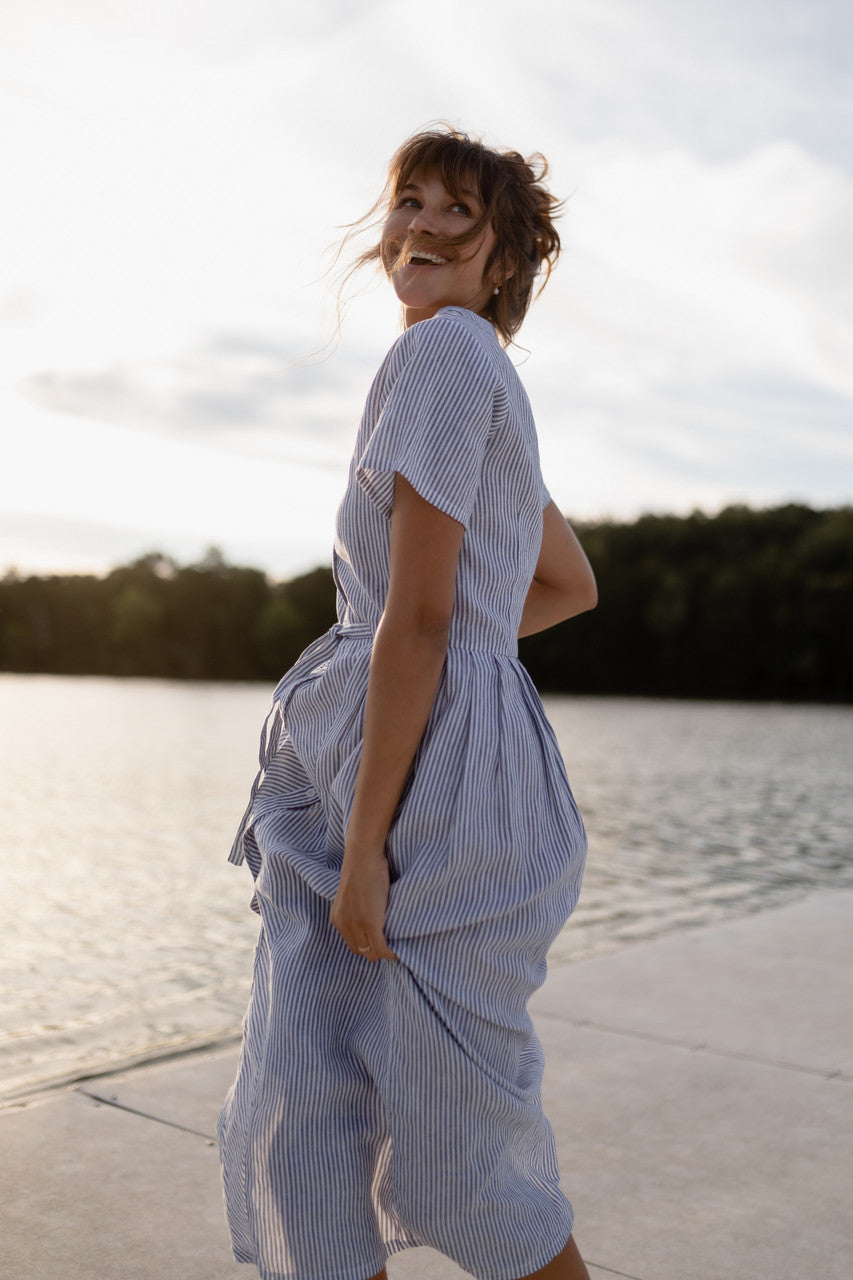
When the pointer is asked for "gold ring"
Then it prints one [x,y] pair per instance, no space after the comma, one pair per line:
[367,948]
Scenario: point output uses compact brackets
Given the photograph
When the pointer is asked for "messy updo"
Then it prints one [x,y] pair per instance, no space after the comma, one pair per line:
[515,203]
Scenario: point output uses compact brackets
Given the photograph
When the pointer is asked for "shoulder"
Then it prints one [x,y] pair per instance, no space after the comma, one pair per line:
[464,331]
[455,340]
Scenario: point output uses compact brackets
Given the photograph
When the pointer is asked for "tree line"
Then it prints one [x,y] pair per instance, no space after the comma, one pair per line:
[746,604]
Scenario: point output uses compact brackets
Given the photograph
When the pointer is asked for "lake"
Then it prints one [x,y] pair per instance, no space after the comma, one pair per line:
[124,932]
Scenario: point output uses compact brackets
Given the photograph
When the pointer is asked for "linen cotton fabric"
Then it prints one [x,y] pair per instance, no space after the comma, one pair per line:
[383,1106]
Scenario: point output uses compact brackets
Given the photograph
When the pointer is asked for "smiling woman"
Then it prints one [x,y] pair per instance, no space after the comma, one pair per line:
[485,214]
[412,834]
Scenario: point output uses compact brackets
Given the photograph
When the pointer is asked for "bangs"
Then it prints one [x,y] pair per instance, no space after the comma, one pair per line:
[464,166]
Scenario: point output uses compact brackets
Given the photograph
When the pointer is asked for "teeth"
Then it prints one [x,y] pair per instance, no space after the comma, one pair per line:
[430,257]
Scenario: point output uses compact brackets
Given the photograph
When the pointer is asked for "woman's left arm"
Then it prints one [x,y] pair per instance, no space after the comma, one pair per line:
[405,669]
[563,582]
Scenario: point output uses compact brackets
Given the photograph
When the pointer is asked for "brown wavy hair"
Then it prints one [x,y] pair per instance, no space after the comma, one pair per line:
[515,203]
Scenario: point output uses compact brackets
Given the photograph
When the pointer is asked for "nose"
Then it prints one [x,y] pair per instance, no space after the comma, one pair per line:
[422,220]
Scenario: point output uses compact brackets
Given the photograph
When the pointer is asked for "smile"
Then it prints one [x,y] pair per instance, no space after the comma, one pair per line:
[422,258]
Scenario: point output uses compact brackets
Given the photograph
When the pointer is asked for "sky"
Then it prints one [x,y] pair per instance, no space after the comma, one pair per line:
[175,172]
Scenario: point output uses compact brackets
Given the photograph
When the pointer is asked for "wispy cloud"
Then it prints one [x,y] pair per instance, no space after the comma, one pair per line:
[234,391]
[171,187]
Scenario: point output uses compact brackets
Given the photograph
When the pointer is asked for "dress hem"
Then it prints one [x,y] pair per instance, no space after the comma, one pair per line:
[392,1248]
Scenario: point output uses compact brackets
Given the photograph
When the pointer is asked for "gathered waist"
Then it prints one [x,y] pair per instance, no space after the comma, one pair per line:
[311,663]
[364,631]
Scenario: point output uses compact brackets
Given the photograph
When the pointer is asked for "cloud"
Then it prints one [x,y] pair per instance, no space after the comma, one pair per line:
[678,269]
[751,72]
[234,390]
[171,189]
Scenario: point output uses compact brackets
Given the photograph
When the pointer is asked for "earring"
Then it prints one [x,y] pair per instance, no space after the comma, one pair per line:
[496,291]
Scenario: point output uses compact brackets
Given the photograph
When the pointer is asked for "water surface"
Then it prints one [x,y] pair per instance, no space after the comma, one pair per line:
[124,932]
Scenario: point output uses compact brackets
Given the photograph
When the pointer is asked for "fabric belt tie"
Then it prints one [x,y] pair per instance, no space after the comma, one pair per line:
[314,656]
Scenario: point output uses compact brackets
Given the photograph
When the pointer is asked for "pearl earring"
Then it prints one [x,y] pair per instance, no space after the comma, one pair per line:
[496,291]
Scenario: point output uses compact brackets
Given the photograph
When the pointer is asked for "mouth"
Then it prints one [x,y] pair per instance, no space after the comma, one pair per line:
[422,258]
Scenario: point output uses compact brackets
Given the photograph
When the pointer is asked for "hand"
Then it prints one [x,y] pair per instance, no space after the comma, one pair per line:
[358,911]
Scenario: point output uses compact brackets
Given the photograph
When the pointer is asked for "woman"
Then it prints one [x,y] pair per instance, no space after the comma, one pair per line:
[412,835]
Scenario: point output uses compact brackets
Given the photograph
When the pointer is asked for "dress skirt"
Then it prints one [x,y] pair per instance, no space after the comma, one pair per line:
[383,1106]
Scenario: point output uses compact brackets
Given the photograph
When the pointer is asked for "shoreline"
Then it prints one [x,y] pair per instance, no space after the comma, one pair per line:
[265,686]
[44,1087]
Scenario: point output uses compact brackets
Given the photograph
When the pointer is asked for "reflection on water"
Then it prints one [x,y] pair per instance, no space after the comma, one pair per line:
[698,811]
[123,930]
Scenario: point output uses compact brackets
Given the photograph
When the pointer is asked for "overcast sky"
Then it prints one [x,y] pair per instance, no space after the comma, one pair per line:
[173,173]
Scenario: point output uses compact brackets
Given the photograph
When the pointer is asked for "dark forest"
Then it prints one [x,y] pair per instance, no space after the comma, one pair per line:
[746,604]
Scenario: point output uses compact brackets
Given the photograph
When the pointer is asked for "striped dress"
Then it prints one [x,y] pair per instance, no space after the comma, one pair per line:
[383,1106]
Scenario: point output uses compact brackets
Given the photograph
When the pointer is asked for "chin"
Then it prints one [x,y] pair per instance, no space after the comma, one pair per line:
[420,301]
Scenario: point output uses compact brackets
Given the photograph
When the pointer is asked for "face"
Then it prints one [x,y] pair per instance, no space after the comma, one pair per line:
[436,276]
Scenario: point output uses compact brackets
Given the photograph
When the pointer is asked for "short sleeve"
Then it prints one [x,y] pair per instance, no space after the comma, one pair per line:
[435,421]
[544,495]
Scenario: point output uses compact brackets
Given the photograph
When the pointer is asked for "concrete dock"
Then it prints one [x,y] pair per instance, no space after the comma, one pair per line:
[699,1086]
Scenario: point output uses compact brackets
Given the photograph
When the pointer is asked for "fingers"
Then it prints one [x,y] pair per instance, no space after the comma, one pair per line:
[372,950]
[358,911]
[384,952]
[363,938]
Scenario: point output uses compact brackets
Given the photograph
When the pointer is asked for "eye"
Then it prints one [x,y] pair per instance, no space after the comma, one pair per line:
[461,208]
[408,202]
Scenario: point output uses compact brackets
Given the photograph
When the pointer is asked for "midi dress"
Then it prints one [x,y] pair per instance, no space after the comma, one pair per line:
[379,1107]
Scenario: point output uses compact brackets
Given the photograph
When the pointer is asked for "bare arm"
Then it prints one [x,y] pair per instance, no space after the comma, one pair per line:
[405,669]
[563,582]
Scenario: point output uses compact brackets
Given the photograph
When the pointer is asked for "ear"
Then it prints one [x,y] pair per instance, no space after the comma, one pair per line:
[507,271]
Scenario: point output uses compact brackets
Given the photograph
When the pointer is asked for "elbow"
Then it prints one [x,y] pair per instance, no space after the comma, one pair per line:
[584,597]
[423,629]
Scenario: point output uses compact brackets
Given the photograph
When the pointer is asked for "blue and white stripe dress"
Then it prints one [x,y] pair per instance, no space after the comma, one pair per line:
[383,1106]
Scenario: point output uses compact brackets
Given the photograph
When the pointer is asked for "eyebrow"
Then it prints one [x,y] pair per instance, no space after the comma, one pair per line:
[415,186]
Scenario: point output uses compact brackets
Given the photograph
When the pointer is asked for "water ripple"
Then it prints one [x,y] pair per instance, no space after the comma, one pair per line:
[124,932]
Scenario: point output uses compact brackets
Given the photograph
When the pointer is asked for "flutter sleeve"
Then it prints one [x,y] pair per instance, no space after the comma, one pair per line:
[435,421]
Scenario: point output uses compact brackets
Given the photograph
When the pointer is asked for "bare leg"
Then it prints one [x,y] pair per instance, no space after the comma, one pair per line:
[568,1265]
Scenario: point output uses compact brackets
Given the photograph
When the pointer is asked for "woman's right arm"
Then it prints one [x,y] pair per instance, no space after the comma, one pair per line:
[405,670]
[563,582]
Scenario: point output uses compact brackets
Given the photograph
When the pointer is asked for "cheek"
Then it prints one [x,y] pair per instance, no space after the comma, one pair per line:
[483,254]
[387,252]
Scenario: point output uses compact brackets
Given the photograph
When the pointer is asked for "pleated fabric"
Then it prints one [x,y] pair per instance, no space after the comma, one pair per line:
[381,1107]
